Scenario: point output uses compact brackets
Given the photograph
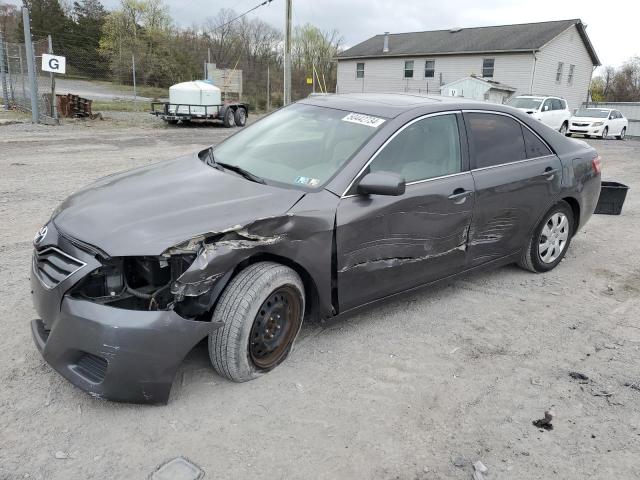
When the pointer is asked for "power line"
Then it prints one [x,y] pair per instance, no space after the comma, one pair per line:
[266,2]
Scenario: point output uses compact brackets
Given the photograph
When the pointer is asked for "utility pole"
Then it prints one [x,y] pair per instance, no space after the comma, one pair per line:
[3,78]
[31,67]
[287,56]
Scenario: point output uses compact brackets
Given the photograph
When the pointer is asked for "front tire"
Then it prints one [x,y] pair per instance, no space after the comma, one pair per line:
[262,310]
[605,133]
[623,133]
[563,128]
[550,240]
[229,119]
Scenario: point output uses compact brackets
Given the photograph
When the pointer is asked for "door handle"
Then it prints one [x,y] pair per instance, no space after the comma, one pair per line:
[550,173]
[460,195]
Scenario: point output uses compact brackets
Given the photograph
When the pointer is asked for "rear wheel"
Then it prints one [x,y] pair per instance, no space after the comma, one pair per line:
[262,310]
[623,133]
[241,117]
[550,240]
[229,119]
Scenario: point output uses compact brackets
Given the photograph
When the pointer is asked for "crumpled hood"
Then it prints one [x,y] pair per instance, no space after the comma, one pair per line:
[149,209]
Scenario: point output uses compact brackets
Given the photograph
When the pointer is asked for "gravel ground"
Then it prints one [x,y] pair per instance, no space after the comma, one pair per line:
[418,388]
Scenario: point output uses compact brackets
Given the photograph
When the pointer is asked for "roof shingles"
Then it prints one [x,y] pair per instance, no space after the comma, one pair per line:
[503,38]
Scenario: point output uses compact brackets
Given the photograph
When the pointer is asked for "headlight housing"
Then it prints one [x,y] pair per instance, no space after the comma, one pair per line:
[597,124]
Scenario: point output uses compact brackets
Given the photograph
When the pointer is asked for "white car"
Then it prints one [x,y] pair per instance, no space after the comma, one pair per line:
[598,122]
[552,111]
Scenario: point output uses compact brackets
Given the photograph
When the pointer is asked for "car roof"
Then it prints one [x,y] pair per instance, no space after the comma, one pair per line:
[388,105]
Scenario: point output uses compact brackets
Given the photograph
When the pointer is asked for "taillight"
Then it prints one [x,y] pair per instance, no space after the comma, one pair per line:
[596,164]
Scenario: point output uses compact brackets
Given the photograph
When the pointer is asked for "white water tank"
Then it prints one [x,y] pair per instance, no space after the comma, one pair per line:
[198,93]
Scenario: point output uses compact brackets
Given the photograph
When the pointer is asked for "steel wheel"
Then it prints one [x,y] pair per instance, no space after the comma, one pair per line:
[275,327]
[553,238]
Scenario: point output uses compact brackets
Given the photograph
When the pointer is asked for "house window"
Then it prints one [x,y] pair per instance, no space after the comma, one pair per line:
[408,69]
[487,67]
[360,70]
[570,77]
[559,72]
[429,69]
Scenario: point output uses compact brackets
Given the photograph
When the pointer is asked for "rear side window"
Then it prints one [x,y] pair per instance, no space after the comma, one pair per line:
[495,139]
[533,145]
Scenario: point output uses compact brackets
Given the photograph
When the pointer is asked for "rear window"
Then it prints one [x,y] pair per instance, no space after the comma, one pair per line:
[519,102]
[496,139]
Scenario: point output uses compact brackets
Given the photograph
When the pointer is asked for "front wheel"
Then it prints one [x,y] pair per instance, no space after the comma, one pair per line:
[563,128]
[550,240]
[605,133]
[623,133]
[229,120]
[262,310]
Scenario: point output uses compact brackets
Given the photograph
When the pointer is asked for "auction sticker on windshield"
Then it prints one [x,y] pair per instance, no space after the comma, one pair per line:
[361,119]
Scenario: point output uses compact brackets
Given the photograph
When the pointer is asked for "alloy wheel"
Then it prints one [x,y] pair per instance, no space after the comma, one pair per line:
[553,238]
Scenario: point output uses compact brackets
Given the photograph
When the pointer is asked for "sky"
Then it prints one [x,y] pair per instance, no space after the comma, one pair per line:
[613,31]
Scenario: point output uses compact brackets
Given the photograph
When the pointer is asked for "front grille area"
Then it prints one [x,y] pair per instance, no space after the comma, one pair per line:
[91,367]
[576,124]
[54,266]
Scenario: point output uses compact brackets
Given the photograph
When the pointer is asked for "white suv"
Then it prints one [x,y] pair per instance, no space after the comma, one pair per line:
[552,111]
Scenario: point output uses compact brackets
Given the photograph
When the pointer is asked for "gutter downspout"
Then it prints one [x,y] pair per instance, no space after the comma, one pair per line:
[533,71]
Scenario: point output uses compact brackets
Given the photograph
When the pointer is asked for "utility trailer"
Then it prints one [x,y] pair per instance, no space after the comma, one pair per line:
[201,101]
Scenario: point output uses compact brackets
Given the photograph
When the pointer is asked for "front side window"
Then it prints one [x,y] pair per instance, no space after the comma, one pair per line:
[425,149]
[559,72]
[360,70]
[547,105]
[495,139]
[487,67]
[299,145]
[556,104]
[570,76]
[429,69]
[408,69]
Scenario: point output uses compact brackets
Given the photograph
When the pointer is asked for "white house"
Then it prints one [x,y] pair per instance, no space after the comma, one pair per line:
[545,58]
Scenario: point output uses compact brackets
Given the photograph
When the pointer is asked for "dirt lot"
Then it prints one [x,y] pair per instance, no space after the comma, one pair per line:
[415,389]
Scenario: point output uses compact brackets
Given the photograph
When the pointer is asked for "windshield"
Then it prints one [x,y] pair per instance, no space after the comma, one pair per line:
[592,112]
[300,145]
[521,102]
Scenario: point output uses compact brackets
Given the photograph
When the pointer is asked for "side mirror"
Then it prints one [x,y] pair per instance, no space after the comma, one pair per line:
[610,117]
[382,183]
[545,108]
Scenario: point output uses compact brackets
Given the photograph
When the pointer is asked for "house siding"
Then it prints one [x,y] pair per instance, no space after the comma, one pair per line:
[387,74]
[569,49]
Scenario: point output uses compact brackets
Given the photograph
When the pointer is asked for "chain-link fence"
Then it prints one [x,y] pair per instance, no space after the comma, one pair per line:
[17,84]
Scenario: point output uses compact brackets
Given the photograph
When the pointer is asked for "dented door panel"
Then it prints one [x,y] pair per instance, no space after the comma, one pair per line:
[510,199]
[389,244]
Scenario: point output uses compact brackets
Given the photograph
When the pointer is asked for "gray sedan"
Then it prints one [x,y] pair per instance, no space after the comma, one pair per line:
[321,208]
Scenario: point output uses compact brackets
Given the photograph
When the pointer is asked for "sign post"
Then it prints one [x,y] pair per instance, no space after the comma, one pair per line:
[54,110]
